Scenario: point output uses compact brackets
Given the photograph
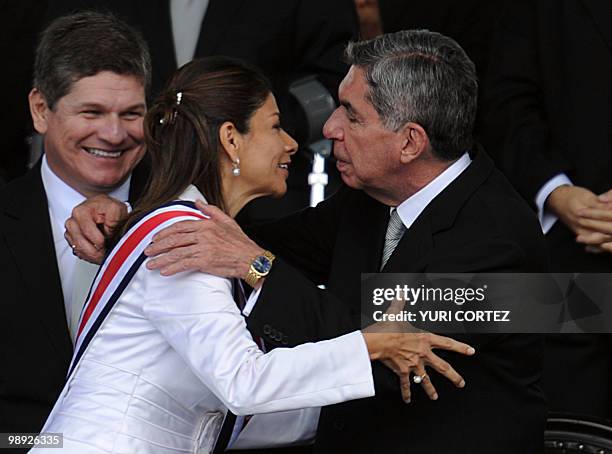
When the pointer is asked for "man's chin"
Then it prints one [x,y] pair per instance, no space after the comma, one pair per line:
[351,180]
[106,183]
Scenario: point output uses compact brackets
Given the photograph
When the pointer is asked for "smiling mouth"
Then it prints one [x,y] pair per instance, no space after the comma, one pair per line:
[103,153]
[284,166]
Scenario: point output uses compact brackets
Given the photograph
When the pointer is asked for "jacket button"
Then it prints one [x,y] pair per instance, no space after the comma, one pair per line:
[285,340]
[338,425]
[267,329]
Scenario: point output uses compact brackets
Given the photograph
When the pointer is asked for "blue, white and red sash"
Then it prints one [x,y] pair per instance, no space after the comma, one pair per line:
[119,268]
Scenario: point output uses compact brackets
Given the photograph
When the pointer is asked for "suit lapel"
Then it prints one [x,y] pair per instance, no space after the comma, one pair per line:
[30,241]
[412,251]
[601,13]
[215,25]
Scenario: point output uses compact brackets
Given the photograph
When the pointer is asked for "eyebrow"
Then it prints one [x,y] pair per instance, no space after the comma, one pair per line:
[93,105]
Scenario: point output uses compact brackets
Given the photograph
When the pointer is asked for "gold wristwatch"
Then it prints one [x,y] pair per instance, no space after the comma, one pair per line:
[260,267]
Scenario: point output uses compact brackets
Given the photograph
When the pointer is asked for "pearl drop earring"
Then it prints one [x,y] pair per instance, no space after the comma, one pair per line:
[236,167]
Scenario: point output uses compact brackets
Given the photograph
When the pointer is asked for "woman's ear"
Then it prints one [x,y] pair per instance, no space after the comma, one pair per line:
[415,141]
[39,110]
[230,140]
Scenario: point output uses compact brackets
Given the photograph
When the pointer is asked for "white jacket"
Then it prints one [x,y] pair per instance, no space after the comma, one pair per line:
[174,354]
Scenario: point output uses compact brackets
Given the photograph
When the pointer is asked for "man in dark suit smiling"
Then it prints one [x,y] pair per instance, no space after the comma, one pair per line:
[88,101]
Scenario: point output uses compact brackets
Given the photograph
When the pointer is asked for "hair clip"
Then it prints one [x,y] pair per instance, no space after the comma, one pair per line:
[179,97]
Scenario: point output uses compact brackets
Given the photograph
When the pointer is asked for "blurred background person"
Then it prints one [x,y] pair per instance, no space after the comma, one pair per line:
[469,22]
[549,125]
[21,23]
[370,25]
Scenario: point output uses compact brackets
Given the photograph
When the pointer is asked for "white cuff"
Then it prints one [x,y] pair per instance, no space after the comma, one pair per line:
[546,218]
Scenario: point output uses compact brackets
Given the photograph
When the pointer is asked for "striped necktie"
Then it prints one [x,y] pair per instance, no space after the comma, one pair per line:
[395,231]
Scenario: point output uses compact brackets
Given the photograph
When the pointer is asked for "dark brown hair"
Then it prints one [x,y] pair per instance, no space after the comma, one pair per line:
[84,44]
[182,127]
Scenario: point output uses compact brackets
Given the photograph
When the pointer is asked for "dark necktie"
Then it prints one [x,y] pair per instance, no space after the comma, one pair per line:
[238,293]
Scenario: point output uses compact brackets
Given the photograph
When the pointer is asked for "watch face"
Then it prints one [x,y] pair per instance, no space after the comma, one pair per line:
[262,264]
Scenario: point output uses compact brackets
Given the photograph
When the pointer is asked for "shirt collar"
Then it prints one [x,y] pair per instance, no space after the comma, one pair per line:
[192,193]
[62,198]
[411,208]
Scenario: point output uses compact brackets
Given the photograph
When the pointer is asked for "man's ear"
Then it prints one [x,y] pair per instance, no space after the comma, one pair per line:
[415,142]
[39,110]
[231,140]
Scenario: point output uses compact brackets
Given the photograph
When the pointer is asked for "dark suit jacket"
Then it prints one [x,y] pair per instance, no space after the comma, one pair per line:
[549,106]
[478,223]
[35,345]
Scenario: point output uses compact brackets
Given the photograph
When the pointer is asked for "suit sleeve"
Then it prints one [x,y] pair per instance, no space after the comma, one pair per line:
[304,244]
[517,129]
[291,310]
[306,239]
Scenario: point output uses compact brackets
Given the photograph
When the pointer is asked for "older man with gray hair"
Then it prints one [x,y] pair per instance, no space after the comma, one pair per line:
[420,197]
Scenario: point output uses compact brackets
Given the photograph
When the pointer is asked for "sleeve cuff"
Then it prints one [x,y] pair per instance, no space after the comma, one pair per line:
[353,346]
[546,218]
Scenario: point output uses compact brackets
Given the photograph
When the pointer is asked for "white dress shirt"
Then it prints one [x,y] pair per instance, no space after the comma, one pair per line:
[61,199]
[546,217]
[411,208]
[174,354]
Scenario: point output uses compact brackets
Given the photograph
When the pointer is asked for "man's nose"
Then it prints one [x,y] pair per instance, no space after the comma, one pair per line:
[331,128]
[112,130]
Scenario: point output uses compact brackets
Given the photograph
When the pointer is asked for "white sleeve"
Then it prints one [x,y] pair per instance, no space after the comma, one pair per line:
[548,219]
[278,430]
[198,317]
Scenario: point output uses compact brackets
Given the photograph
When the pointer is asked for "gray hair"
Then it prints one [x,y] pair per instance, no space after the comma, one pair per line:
[422,77]
[84,44]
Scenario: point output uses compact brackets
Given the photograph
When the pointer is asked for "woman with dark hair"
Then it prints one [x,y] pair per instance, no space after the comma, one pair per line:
[159,360]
